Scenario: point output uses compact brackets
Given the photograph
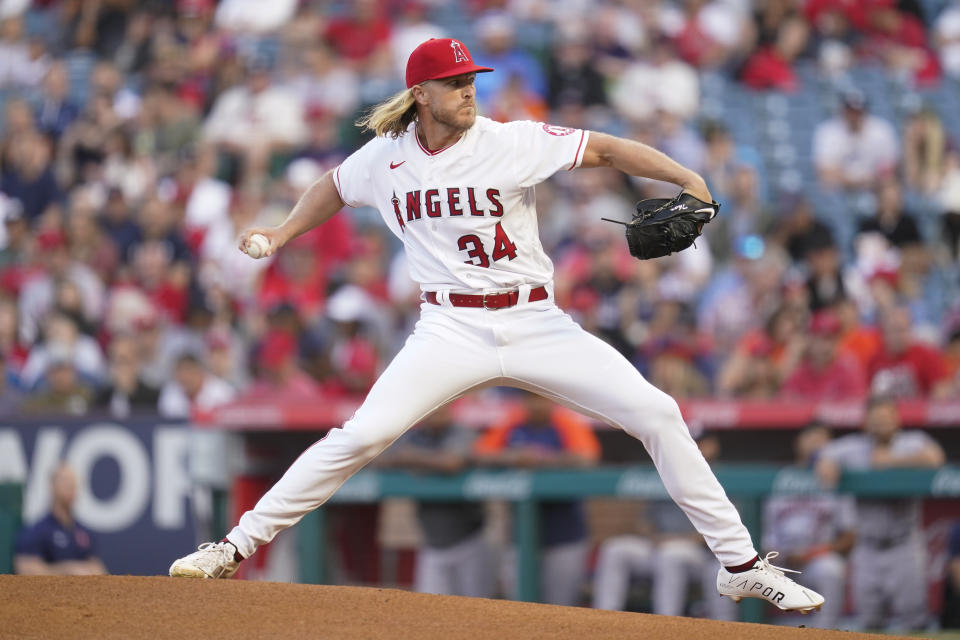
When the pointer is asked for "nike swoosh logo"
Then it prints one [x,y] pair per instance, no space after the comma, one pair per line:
[704,210]
[397,164]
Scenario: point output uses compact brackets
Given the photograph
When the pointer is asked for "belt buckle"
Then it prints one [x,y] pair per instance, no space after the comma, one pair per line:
[483,301]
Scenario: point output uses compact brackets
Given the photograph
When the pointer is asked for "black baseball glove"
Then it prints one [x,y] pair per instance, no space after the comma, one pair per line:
[662,226]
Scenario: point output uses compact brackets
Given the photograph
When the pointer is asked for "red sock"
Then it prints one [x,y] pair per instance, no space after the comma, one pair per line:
[746,566]
[240,558]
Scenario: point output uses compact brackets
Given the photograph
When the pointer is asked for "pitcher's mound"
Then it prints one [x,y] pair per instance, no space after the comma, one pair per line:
[160,607]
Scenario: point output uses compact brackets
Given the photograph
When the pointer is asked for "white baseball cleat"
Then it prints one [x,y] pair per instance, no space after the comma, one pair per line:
[769,583]
[210,560]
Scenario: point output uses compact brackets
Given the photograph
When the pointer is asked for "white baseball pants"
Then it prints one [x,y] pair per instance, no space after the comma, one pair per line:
[563,570]
[461,570]
[893,578]
[534,346]
[672,564]
[828,575]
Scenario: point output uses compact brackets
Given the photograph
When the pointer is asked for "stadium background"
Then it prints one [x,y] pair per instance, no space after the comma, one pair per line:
[138,138]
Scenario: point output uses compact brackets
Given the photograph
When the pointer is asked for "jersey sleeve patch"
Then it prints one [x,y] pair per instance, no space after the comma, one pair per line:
[554,130]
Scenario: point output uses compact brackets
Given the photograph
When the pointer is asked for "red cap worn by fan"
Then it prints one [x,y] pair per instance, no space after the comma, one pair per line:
[440,58]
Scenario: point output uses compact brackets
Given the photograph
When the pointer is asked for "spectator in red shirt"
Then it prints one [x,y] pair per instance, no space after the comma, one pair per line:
[354,357]
[281,377]
[295,277]
[900,41]
[825,372]
[860,340]
[904,368]
[952,357]
[771,66]
[764,357]
[363,37]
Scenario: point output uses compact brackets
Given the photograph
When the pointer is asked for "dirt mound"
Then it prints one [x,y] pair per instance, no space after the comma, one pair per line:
[159,607]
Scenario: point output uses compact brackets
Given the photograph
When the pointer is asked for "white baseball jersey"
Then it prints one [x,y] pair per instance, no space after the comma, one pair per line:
[467,217]
[466,213]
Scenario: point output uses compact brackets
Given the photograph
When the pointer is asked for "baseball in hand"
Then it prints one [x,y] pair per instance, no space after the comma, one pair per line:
[257,245]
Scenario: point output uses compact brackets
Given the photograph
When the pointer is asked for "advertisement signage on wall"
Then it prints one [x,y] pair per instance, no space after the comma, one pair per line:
[134,488]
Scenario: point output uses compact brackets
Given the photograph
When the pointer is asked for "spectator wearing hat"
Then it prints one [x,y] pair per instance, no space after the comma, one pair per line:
[61,390]
[226,357]
[825,372]
[37,296]
[854,150]
[674,356]
[354,359]
[904,367]
[62,339]
[763,357]
[280,377]
[673,369]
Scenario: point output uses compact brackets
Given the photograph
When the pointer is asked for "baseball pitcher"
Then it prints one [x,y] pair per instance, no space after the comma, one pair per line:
[458,190]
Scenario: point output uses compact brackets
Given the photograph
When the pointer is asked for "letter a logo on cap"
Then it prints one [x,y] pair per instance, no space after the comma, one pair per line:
[459,55]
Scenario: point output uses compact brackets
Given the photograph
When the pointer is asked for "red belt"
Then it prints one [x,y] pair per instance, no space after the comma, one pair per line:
[488,300]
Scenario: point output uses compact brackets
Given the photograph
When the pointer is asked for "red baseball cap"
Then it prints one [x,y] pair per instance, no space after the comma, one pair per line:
[825,323]
[440,58]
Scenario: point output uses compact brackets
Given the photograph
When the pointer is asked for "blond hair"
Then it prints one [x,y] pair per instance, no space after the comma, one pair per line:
[392,116]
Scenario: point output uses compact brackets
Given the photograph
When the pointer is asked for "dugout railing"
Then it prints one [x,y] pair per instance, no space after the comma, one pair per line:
[747,486]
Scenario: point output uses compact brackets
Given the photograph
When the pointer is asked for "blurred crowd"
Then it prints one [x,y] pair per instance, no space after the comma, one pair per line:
[139,138]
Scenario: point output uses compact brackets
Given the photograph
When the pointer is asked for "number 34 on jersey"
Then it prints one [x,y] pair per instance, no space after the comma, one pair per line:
[459,203]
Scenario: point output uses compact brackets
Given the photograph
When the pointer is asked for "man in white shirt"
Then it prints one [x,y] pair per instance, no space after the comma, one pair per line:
[854,150]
